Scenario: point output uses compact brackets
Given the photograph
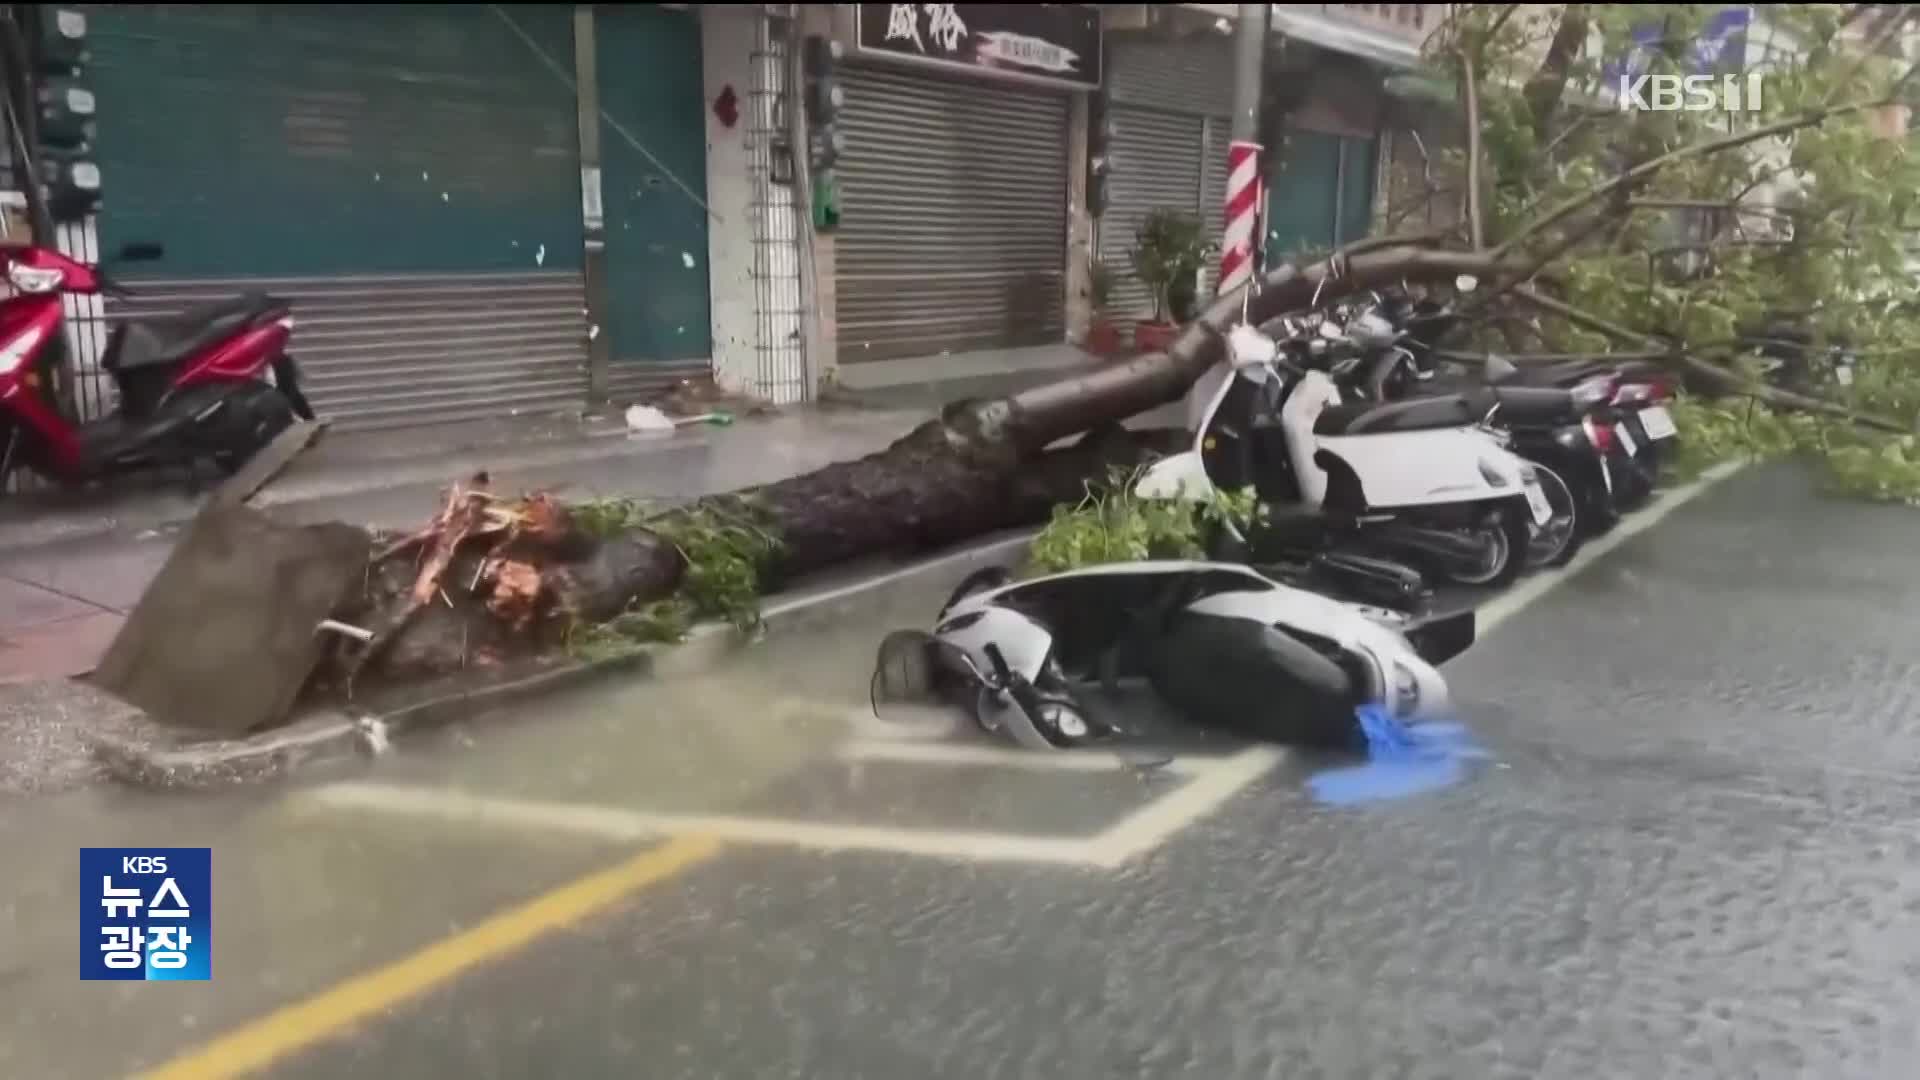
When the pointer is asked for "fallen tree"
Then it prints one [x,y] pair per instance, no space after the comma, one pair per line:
[492,577]
[1557,204]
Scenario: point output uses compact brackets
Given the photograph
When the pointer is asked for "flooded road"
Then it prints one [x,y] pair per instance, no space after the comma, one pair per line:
[1688,851]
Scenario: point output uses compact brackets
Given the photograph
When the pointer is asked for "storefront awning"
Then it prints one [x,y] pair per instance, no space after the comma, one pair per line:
[1345,37]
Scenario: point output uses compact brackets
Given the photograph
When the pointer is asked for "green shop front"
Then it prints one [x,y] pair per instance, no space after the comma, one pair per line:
[410,177]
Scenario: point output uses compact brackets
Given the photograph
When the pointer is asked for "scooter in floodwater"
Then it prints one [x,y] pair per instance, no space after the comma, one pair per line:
[1223,644]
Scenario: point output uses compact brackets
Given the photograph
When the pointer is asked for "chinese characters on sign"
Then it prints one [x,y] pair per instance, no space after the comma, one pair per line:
[1051,43]
[944,27]
[146,914]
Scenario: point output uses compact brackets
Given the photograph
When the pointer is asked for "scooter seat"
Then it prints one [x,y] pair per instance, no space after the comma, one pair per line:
[167,340]
[1413,414]
[1568,372]
[1525,406]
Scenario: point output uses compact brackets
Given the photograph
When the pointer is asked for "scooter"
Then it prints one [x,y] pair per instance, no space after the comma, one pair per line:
[212,384]
[1376,360]
[1279,663]
[1606,441]
[1426,479]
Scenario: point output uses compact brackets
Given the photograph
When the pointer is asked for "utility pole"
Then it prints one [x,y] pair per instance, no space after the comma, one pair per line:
[1239,239]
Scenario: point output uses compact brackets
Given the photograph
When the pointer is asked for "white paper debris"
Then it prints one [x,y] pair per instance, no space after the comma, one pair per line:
[593,332]
[647,420]
[540,257]
[443,196]
[686,259]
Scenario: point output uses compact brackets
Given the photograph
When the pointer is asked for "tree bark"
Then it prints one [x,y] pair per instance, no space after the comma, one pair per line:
[481,596]
[1544,91]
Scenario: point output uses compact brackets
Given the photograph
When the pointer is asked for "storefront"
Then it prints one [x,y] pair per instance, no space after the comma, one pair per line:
[1171,105]
[954,181]
[1322,175]
[410,177]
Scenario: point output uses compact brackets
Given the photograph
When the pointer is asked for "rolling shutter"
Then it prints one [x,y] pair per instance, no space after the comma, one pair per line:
[1170,105]
[1157,165]
[953,231]
[407,174]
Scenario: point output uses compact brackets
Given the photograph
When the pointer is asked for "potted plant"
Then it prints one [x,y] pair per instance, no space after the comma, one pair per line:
[1169,251]
[1103,335]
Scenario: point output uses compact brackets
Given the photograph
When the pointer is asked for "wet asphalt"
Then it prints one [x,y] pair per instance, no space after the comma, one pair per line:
[1690,851]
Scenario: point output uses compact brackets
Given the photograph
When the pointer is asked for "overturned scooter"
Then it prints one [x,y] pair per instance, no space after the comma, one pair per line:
[1042,661]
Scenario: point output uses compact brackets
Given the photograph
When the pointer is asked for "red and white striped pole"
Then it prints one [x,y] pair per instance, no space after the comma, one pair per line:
[1243,215]
[1238,242]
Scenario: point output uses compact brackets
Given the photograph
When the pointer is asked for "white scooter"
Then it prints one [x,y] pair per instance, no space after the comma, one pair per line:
[1222,643]
[1424,478]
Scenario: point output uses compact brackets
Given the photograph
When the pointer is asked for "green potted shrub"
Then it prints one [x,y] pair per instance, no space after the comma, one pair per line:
[1169,250]
[1103,335]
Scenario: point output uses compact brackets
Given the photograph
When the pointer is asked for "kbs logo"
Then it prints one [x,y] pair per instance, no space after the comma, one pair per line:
[1691,93]
[146,914]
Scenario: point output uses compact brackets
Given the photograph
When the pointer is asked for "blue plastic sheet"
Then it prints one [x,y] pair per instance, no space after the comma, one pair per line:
[1402,760]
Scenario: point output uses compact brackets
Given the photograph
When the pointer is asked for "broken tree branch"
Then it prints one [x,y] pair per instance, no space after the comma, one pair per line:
[1548,85]
[1477,229]
[1731,381]
[1647,168]
[1872,47]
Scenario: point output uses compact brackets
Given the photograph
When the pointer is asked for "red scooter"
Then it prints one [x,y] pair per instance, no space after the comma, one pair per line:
[212,384]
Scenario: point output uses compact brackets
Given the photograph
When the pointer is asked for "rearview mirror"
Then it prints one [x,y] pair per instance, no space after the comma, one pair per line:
[1466,283]
[140,251]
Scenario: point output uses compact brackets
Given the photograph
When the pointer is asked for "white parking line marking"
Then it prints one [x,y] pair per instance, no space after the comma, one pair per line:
[1008,757]
[1150,826]
[1528,592]
[622,824]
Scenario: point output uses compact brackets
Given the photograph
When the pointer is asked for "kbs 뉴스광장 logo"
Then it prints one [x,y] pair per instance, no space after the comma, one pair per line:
[146,914]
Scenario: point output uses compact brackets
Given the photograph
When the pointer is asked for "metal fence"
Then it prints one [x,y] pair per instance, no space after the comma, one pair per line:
[780,354]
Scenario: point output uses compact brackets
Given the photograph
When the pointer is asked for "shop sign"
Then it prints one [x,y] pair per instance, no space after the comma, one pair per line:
[1056,44]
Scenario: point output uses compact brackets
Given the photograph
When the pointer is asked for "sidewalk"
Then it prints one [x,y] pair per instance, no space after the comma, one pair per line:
[71,567]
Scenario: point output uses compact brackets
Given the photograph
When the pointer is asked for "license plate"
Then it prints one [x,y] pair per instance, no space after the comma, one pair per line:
[1537,502]
[1621,433]
[1658,424]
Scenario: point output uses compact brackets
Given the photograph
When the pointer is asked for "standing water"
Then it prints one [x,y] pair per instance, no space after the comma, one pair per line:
[1401,761]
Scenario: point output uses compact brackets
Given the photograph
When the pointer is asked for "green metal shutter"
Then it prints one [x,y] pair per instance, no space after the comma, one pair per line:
[1357,172]
[407,174]
[1323,195]
[953,232]
[659,309]
[1300,202]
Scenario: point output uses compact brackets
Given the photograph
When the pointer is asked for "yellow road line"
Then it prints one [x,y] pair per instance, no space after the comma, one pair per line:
[334,1010]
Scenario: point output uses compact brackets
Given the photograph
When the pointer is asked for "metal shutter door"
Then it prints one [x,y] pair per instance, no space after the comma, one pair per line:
[407,174]
[953,232]
[1156,166]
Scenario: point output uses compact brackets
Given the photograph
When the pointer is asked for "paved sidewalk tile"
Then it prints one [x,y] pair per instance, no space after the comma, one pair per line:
[58,650]
[24,604]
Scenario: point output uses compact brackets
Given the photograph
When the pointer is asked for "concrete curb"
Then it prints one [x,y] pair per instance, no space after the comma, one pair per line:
[333,736]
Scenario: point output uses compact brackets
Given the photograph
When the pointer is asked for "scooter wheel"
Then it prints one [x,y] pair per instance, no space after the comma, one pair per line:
[1558,546]
[1505,533]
